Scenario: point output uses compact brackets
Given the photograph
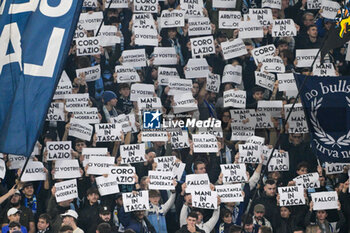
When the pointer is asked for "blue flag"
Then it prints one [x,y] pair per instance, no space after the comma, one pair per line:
[35,37]
[326,102]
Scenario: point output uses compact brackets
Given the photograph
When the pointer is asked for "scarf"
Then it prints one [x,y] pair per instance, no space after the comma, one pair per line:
[31,205]
[108,116]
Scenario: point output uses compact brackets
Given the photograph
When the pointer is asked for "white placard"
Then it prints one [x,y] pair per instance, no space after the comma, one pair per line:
[34,171]
[286,82]
[56,112]
[213,83]
[235,98]
[283,28]
[165,74]
[88,46]
[67,169]
[305,57]
[178,170]
[92,73]
[310,180]
[256,140]
[3,169]
[165,163]
[149,103]
[263,15]
[159,135]
[199,26]
[291,195]
[99,165]
[272,106]
[134,57]
[76,101]
[229,19]
[108,35]
[80,130]
[230,193]
[143,20]
[123,174]
[107,185]
[90,21]
[88,152]
[86,115]
[197,182]
[193,8]
[126,74]
[64,87]
[335,168]
[145,6]
[16,161]
[161,180]
[197,68]
[232,74]
[204,199]
[179,139]
[179,86]
[263,51]
[297,120]
[250,153]
[136,201]
[242,130]
[235,48]
[59,150]
[165,56]
[314,4]
[133,153]
[184,102]
[250,29]
[146,36]
[325,200]
[325,69]
[279,162]
[329,9]
[203,143]
[234,173]
[108,132]
[117,4]
[90,3]
[202,45]
[170,19]
[224,3]
[273,64]
[265,80]
[139,90]
[66,190]
[275,4]
[263,119]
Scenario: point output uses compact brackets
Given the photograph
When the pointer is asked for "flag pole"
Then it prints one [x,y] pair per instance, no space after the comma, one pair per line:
[104,16]
[279,136]
[22,171]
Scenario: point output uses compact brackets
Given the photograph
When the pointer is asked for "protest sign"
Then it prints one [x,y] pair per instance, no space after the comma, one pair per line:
[64,87]
[232,74]
[266,151]
[108,35]
[161,180]
[197,68]
[123,121]
[263,51]
[279,162]
[325,69]
[174,18]
[229,19]
[134,57]
[305,57]
[56,112]
[34,171]
[99,165]
[165,163]
[123,174]
[314,4]
[203,143]
[273,64]
[108,132]
[86,115]
[158,135]
[263,119]
[286,82]
[90,21]
[199,26]
[136,201]
[66,190]
[90,3]
[179,86]
[178,170]
[242,130]
[250,153]
[329,9]
[283,28]
[59,150]
[197,182]
[179,139]
[146,36]
[250,29]
[233,173]
[192,8]
[88,46]
[202,45]
[263,15]
[230,193]
[234,48]
[272,106]
[204,199]
[224,3]
[274,4]
[67,169]
[165,74]
[297,121]
[149,103]
[335,168]
[265,80]
[80,130]
[133,153]
[325,200]
[164,56]
[310,180]
[291,196]
[213,83]
[184,102]
[234,98]
[16,161]
[140,90]
[107,185]
[126,74]
[76,101]
[92,73]
[145,6]
[3,169]
[143,20]
[216,131]
[88,152]
[117,4]
[256,140]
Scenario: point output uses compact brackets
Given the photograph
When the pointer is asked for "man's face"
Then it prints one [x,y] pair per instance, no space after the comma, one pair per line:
[200,217]
[282,47]
[321,215]
[12,229]
[302,171]
[228,219]
[296,139]
[105,217]
[113,102]
[259,215]
[248,227]
[14,217]
[151,156]
[191,221]
[67,220]
[200,169]
[15,199]
[79,146]
[140,214]
[312,32]
[309,19]
[125,91]
[285,213]
[42,224]
[270,190]
[258,95]
[119,201]
[28,191]
[93,197]
[249,49]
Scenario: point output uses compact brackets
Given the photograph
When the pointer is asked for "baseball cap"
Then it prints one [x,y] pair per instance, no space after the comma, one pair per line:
[13,211]
[104,210]
[70,213]
[259,208]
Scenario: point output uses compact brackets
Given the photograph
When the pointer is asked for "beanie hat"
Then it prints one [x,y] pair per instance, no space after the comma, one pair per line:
[108,95]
